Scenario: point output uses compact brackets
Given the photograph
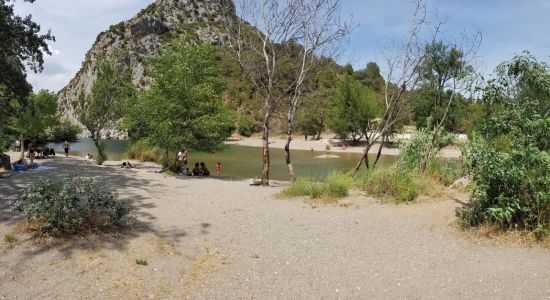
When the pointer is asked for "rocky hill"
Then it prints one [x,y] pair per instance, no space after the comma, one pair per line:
[143,36]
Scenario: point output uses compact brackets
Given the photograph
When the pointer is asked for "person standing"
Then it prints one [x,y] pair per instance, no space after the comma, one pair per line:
[184,158]
[66,147]
[32,152]
[17,146]
[218,168]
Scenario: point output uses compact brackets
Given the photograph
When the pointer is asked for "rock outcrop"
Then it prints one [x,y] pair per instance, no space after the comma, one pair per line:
[142,37]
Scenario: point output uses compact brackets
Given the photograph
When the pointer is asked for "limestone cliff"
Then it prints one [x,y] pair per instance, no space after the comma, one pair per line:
[143,36]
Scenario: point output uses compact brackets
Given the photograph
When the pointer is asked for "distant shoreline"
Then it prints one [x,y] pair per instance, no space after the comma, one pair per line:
[333,146]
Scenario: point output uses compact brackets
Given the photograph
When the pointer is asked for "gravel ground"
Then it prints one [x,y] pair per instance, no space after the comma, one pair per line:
[223,239]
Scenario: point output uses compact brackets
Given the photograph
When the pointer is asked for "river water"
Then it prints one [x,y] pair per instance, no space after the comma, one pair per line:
[243,161]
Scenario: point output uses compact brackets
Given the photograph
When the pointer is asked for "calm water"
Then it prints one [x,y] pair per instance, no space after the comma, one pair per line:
[242,161]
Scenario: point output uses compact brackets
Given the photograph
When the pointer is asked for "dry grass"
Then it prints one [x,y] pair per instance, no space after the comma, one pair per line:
[494,235]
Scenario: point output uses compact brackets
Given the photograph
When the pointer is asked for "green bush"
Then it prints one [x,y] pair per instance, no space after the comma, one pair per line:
[142,151]
[509,158]
[446,171]
[335,185]
[246,126]
[71,205]
[412,153]
[65,131]
[5,142]
[391,182]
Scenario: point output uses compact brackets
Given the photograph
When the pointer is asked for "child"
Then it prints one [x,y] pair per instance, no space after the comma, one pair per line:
[218,168]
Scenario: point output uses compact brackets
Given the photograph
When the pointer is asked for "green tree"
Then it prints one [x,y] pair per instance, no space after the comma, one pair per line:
[444,73]
[371,77]
[509,157]
[65,131]
[21,46]
[183,107]
[442,66]
[34,116]
[353,111]
[103,107]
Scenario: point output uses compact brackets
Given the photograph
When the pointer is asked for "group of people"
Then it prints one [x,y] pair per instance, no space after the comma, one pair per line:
[200,169]
[39,153]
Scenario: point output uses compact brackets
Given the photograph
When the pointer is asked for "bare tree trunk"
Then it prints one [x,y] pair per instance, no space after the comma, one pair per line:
[100,153]
[22,140]
[379,154]
[291,176]
[364,158]
[429,148]
[265,155]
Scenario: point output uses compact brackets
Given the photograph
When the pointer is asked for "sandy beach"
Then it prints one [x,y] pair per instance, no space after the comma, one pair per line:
[334,146]
[219,238]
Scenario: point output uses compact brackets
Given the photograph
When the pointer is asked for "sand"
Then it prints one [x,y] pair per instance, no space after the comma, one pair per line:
[219,238]
[334,146]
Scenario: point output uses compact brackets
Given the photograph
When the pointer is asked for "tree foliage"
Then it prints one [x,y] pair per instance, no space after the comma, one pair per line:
[509,157]
[21,46]
[65,131]
[183,108]
[35,115]
[371,77]
[353,110]
[103,107]
[442,67]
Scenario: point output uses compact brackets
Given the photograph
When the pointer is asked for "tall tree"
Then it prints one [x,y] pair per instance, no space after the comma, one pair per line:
[34,116]
[21,46]
[509,158]
[371,77]
[183,107]
[275,35]
[445,73]
[103,107]
[353,110]
[402,60]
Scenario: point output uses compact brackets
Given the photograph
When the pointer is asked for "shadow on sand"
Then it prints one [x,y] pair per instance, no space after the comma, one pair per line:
[112,178]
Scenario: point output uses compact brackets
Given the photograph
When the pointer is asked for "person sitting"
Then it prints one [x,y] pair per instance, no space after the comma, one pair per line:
[184,171]
[204,170]
[87,157]
[196,170]
[127,165]
[39,154]
[52,152]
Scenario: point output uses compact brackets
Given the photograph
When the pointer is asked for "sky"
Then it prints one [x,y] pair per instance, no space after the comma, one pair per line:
[508,27]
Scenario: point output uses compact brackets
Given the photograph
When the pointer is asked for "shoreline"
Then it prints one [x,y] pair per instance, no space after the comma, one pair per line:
[333,146]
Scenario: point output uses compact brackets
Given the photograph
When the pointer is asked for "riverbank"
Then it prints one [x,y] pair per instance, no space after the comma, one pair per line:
[219,238]
[328,145]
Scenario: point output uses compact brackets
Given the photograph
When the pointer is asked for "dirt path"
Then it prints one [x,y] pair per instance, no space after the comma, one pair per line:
[222,239]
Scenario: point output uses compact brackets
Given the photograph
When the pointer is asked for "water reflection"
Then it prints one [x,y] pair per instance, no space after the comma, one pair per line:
[245,162]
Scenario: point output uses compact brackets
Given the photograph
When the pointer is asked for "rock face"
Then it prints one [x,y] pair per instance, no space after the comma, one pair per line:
[142,37]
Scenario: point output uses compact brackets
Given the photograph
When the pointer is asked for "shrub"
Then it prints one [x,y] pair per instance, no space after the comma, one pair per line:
[246,126]
[5,141]
[412,153]
[142,151]
[446,171]
[335,185]
[509,158]
[10,238]
[71,205]
[65,131]
[391,182]
[141,262]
